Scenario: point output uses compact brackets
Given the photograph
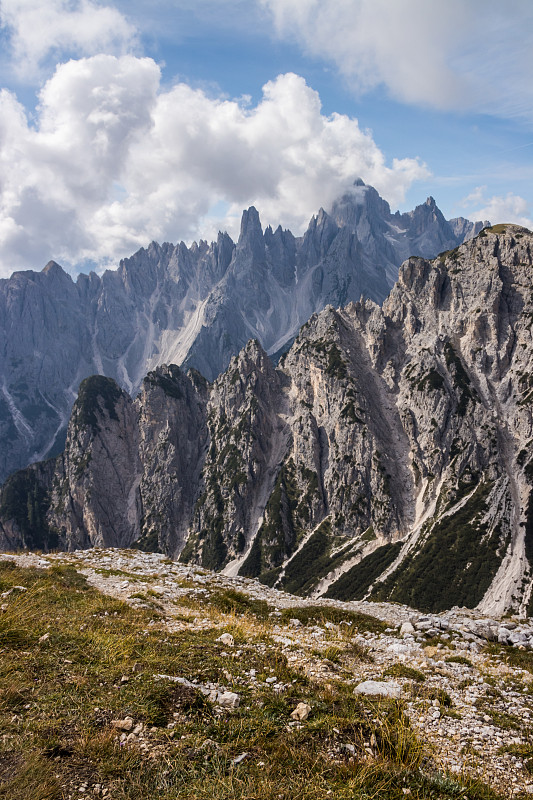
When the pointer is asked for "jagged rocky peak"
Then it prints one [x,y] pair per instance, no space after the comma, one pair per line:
[423,212]
[54,270]
[464,229]
[195,306]
[250,224]
[251,243]
[360,201]
[246,439]
[87,496]
[98,400]
[317,240]
[130,471]
[388,456]
[476,272]
[252,358]
[167,380]
[338,388]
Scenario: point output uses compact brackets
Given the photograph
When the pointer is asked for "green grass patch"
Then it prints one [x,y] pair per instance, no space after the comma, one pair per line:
[524,750]
[454,566]
[88,659]
[501,228]
[522,659]
[425,692]
[231,601]
[356,582]
[400,670]
[458,660]
[319,615]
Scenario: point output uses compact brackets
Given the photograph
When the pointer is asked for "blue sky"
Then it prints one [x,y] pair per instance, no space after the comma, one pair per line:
[123,122]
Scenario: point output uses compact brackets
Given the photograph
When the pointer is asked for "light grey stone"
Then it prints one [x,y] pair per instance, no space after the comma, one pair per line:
[383,688]
[301,712]
[228,700]
[407,628]
[227,639]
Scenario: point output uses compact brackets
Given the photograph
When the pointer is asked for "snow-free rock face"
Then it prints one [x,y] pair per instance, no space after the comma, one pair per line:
[88,495]
[389,455]
[173,435]
[95,492]
[196,306]
[130,471]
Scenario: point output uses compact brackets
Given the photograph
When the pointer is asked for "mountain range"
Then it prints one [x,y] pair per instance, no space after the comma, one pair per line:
[195,306]
[388,455]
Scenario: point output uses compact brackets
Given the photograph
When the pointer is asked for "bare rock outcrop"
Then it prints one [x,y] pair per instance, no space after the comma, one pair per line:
[194,306]
[388,456]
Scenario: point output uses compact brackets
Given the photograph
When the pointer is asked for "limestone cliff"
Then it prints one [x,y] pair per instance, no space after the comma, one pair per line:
[195,306]
[388,455]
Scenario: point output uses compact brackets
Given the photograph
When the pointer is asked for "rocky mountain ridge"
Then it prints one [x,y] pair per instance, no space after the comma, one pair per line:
[388,456]
[196,306]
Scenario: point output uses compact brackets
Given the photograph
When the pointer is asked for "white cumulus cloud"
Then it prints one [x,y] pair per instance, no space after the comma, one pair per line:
[54,28]
[448,55]
[498,208]
[112,161]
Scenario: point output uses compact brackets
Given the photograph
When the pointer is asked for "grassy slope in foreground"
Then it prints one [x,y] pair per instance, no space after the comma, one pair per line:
[73,660]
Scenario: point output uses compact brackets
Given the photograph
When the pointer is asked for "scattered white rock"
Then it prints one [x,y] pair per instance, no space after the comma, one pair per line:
[14,589]
[301,712]
[407,627]
[240,758]
[228,700]
[382,688]
[125,724]
[227,639]
[469,727]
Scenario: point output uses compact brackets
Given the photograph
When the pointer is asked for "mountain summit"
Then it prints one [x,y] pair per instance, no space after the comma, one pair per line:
[196,306]
[388,455]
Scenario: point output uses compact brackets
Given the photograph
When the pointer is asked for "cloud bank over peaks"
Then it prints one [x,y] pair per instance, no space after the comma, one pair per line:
[113,160]
[498,208]
[57,28]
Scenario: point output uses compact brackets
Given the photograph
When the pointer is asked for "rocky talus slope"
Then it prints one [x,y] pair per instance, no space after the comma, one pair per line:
[388,456]
[468,699]
[196,305]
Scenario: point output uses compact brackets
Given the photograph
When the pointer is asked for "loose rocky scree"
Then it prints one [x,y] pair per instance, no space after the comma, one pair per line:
[126,675]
